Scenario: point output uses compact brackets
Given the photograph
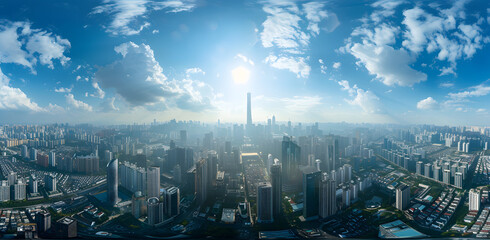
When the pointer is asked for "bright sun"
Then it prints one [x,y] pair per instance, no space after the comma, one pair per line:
[240,75]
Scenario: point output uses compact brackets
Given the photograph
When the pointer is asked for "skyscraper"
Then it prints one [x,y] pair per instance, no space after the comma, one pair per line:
[52,159]
[153,178]
[249,109]
[264,203]
[328,200]
[201,181]
[112,181]
[50,182]
[155,211]
[172,201]
[458,180]
[446,176]
[311,193]
[402,196]
[276,182]
[138,205]
[474,200]
[290,159]
[43,221]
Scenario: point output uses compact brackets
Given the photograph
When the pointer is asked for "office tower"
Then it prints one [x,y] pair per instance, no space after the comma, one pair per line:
[33,154]
[172,201]
[418,168]
[33,185]
[107,155]
[446,176]
[354,189]
[346,197]
[201,181]
[42,160]
[437,173]
[24,151]
[183,137]
[311,193]
[18,191]
[291,158]
[264,203]
[318,163]
[328,200]
[132,178]
[12,178]
[402,196]
[458,180]
[341,175]
[112,182]
[249,109]
[212,162]
[155,211]
[138,205]
[474,200]
[4,191]
[50,182]
[86,164]
[52,159]
[43,221]
[66,227]
[276,182]
[347,173]
[177,174]
[427,170]
[153,185]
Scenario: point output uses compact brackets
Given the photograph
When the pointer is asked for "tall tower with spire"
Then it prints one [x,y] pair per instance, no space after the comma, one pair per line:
[249,109]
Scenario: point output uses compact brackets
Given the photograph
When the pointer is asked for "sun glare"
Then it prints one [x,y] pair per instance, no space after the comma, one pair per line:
[240,75]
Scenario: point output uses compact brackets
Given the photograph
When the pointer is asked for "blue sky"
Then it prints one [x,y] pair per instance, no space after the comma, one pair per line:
[328,61]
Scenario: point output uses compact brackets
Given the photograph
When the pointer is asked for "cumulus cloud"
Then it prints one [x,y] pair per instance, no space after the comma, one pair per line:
[99,93]
[138,78]
[194,71]
[366,100]
[21,44]
[127,14]
[385,8]
[77,104]
[285,30]
[428,104]
[63,90]
[296,65]
[108,105]
[336,65]
[13,98]
[474,91]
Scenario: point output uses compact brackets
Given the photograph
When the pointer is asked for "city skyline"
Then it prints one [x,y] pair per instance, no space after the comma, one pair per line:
[124,62]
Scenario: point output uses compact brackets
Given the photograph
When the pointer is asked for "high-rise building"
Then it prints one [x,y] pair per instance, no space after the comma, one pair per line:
[107,156]
[50,182]
[446,176]
[66,227]
[52,159]
[427,170]
[12,178]
[276,182]
[437,173]
[172,201]
[43,221]
[249,109]
[155,211]
[346,197]
[133,178]
[474,200]
[183,137]
[291,159]
[4,191]
[212,162]
[311,193]
[458,180]
[418,168]
[347,172]
[153,178]
[264,203]
[112,182]
[402,196]
[328,200]
[201,181]
[86,164]
[18,191]
[24,151]
[138,205]
[33,185]
[33,154]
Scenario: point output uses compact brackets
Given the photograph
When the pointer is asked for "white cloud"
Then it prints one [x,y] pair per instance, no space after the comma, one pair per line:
[391,66]
[13,98]
[428,104]
[127,14]
[282,28]
[138,78]
[318,18]
[77,104]
[447,84]
[53,108]
[336,65]
[367,100]
[481,110]
[323,67]
[63,90]
[475,91]
[99,93]
[296,65]
[245,59]
[108,105]
[386,8]
[21,44]
[194,71]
